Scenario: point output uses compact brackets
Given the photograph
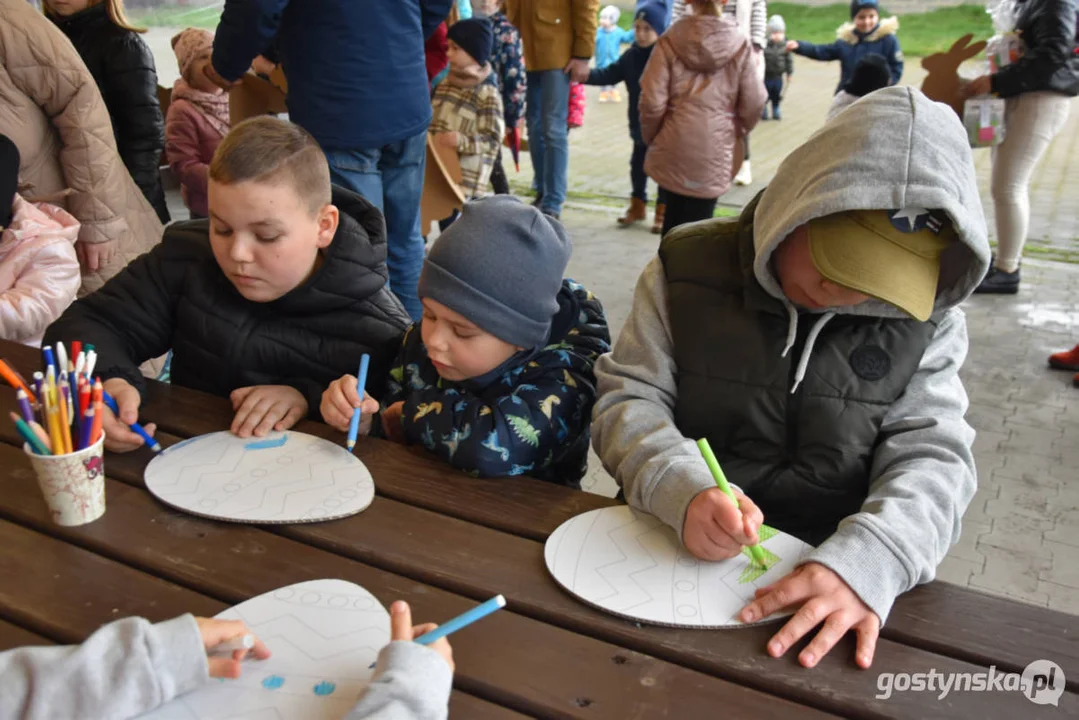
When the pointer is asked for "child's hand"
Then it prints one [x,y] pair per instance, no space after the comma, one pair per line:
[261,65]
[215,632]
[401,629]
[94,256]
[262,408]
[792,45]
[824,597]
[391,422]
[715,529]
[341,399]
[118,436]
[211,74]
[447,139]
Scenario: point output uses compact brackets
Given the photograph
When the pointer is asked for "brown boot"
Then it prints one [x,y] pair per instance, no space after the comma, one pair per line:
[636,212]
[657,224]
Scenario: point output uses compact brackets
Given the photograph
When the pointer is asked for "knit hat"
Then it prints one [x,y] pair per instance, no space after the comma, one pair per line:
[653,12]
[188,45]
[893,255]
[869,74]
[500,265]
[858,5]
[610,14]
[9,178]
[776,23]
[474,36]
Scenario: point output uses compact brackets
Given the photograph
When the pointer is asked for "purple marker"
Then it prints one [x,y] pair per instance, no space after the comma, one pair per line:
[24,406]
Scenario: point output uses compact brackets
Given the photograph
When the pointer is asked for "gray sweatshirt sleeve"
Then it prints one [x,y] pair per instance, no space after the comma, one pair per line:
[124,669]
[412,682]
[922,479]
[633,427]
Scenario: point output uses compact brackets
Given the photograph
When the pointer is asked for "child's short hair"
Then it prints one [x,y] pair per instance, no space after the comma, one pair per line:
[266,149]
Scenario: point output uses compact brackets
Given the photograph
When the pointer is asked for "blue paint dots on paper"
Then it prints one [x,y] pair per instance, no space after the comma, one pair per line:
[272,682]
[325,688]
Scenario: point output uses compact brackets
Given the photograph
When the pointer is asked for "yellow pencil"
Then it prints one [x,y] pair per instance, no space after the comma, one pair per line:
[65,428]
[53,418]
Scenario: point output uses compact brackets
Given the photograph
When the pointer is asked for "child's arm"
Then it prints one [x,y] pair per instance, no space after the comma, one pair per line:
[627,37]
[130,91]
[490,126]
[633,426]
[895,58]
[126,668]
[752,95]
[816,52]
[610,75]
[655,91]
[182,149]
[433,13]
[758,24]
[41,293]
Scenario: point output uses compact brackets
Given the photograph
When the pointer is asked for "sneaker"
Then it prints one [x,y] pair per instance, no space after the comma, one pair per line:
[775,113]
[657,223]
[998,282]
[1066,360]
[616,96]
[745,174]
[551,214]
[603,96]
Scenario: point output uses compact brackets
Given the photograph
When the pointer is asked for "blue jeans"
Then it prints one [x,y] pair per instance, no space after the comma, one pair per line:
[391,178]
[547,110]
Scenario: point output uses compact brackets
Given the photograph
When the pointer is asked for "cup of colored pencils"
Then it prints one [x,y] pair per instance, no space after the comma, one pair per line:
[59,419]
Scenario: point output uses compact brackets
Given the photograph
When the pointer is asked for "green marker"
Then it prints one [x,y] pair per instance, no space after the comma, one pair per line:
[721,481]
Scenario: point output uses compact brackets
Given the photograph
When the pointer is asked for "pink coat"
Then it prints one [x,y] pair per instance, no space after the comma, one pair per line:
[39,272]
[700,93]
[190,141]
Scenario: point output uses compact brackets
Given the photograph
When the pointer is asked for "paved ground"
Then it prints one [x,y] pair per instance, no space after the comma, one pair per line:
[1023,524]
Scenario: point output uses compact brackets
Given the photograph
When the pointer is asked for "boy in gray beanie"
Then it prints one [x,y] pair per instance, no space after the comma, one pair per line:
[498,379]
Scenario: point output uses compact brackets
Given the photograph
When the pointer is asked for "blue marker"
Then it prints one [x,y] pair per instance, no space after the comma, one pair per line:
[50,359]
[354,425]
[462,621]
[135,427]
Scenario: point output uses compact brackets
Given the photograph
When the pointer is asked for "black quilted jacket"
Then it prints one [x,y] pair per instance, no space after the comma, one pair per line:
[1049,62]
[123,68]
[176,297]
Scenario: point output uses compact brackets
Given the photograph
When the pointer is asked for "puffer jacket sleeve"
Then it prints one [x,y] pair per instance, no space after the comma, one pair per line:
[831,51]
[182,146]
[1050,43]
[752,94]
[131,319]
[41,293]
[130,91]
[655,91]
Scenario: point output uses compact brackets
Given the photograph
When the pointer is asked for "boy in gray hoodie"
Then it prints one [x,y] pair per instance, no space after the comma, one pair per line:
[816,342]
[131,666]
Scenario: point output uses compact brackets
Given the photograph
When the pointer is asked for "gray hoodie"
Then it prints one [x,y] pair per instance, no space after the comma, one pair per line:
[131,666]
[900,150]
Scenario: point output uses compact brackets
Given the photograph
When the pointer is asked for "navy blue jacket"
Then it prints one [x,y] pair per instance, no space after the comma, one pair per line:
[529,416]
[628,68]
[355,69]
[852,46]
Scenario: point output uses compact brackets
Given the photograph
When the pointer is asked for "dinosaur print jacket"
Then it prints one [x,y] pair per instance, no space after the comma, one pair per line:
[529,416]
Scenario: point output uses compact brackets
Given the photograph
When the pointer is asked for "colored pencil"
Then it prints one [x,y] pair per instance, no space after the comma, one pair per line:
[42,435]
[84,397]
[24,405]
[361,378]
[76,350]
[30,436]
[56,441]
[462,621]
[99,413]
[721,482]
[12,378]
[87,428]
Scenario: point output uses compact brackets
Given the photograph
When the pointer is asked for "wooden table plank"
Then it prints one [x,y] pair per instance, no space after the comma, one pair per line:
[510,660]
[13,636]
[470,707]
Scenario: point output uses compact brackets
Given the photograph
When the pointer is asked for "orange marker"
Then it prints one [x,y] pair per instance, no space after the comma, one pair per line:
[12,378]
[65,426]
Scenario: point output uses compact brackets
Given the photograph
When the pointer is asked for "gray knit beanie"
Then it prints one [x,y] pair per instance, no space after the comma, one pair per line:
[500,265]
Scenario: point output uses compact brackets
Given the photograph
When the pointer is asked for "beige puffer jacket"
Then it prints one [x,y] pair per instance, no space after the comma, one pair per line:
[52,110]
[700,93]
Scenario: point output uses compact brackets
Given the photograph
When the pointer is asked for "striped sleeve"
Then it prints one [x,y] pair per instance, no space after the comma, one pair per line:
[758,24]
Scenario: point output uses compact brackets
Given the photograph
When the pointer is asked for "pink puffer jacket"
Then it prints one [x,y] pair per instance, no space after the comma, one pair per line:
[39,272]
[700,93]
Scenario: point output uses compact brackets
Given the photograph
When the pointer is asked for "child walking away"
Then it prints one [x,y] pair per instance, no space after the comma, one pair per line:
[700,94]
[816,342]
[508,66]
[777,63]
[870,74]
[198,119]
[467,106]
[39,271]
[123,68]
[650,22]
[609,41]
[865,34]
[497,378]
[277,295]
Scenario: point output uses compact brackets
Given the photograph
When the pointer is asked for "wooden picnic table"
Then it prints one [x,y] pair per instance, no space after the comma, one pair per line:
[443,541]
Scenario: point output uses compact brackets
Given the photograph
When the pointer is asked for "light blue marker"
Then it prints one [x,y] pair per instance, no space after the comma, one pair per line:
[354,426]
[135,427]
[462,621]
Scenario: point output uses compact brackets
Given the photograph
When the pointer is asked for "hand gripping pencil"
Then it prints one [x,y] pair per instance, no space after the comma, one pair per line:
[354,424]
[721,481]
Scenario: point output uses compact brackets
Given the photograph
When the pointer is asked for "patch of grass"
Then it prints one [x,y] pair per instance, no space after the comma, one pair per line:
[203,17]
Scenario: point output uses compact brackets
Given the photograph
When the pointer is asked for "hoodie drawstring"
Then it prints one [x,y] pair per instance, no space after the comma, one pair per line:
[792,327]
[811,340]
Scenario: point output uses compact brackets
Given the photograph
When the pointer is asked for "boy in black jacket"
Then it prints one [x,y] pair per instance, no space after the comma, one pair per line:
[266,302]
[650,23]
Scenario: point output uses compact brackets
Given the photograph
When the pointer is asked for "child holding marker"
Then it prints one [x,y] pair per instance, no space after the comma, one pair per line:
[277,294]
[130,667]
[497,378]
[815,341]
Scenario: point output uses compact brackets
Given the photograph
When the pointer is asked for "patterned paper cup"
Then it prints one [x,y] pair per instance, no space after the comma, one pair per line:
[73,484]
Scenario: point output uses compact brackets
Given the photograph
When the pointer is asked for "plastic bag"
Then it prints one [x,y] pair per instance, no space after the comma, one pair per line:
[983,118]
[1005,47]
